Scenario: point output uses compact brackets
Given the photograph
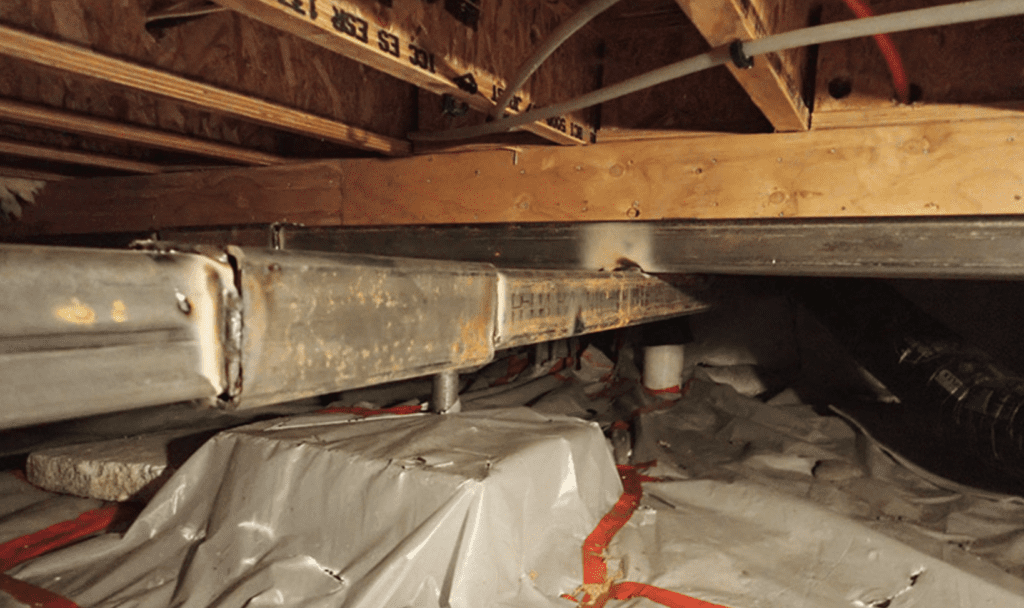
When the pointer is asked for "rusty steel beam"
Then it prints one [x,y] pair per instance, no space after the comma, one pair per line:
[86,331]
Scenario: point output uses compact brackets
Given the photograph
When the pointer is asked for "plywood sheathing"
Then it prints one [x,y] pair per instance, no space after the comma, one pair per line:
[424,44]
[647,34]
[223,49]
[933,169]
[959,72]
[571,71]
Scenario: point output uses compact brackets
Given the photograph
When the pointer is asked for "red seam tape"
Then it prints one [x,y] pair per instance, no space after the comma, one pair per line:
[671,390]
[515,366]
[22,549]
[366,413]
[37,597]
[628,590]
[595,570]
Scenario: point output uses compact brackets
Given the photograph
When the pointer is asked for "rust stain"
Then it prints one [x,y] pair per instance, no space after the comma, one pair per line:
[475,339]
[118,312]
[473,344]
[76,312]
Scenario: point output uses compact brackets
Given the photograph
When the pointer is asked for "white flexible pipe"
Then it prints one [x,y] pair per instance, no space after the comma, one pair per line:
[554,40]
[950,14]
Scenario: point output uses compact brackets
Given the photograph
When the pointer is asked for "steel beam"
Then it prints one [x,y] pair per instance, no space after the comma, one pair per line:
[85,331]
[953,248]
[316,323]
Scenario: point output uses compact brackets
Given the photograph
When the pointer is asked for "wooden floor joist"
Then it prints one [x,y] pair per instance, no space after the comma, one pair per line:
[27,150]
[50,118]
[773,82]
[938,169]
[77,60]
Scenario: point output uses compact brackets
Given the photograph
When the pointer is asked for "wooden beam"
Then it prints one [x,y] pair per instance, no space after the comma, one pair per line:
[939,169]
[774,83]
[50,118]
[27,150]
[421,44]
[71,58]
[895,114]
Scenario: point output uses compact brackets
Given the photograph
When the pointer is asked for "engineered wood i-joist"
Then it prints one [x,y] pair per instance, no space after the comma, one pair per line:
[775,81]
[40,116]
[74,59]
[27,150]
[971,168]
[35,174]
[432,45]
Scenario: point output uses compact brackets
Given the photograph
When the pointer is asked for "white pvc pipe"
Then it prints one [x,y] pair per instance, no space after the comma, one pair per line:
[963,12]
[554,40]
[663,369]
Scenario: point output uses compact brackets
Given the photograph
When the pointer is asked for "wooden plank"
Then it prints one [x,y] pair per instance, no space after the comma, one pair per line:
[938,169]
[422,44]
[26,150]
[303,193]
[74,59]
[66,121]
[776,81]
[896,114]
[961,72]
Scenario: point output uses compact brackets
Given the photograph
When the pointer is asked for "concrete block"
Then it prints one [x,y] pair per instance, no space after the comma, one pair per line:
[116,470]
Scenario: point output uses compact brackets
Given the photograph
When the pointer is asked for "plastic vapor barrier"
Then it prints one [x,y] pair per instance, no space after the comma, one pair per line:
[470,510]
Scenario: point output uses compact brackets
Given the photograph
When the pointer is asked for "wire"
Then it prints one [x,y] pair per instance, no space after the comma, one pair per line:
[889,51]
[949,14]
[554,40]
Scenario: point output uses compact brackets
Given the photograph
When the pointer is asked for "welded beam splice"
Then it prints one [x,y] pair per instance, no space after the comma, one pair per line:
[85,331]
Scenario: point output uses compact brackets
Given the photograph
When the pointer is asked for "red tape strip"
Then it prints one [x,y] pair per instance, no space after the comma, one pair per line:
[56,536]
[516,365]
[627,590]
[665,404]
[400,410]
[29,594]
[595,570]
[59,535]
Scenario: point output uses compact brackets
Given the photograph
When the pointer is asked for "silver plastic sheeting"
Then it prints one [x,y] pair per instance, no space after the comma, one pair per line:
[771,505]
[467,511]
[25,509]
[757,505]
